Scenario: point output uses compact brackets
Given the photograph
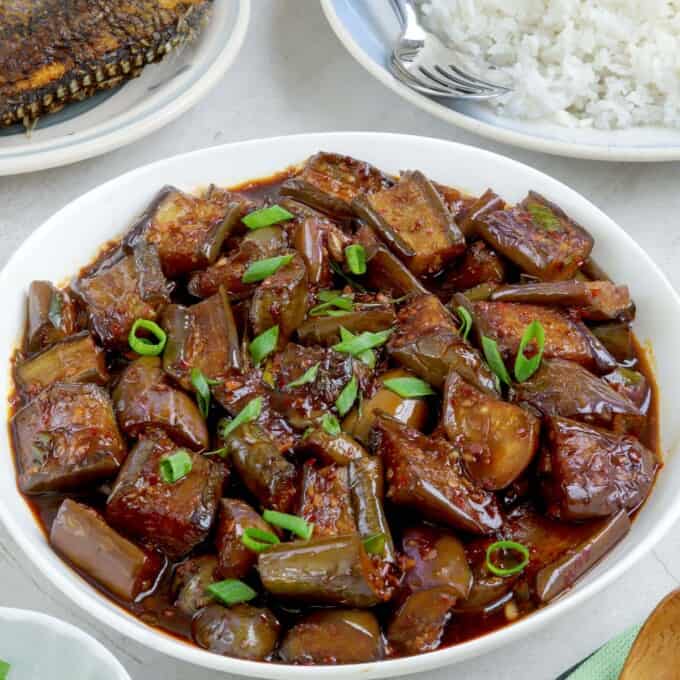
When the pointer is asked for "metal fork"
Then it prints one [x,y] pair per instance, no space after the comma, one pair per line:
[434,79]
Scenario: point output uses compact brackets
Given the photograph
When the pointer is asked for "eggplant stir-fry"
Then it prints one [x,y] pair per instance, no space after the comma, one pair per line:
[335,416]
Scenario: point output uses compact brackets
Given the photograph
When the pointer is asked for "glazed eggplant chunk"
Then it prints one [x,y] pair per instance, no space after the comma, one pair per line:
[67,439]
[362,416]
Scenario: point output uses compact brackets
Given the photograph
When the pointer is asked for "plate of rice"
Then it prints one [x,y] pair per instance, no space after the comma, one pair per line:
[596,79]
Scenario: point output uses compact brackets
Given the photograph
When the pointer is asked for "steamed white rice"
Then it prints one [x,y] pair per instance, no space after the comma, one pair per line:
[601,63]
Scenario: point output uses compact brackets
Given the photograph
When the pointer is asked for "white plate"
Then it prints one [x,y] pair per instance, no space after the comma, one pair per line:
[368,29]
[117,117]
[105,212]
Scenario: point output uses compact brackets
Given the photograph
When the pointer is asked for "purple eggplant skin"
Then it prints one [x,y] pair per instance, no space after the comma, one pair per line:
[203,336]
[51,316]
[633,386]
[341,449]
[425,474]
[563,388]
[189,583]
[325,330]
[143,398]
[587,472]
[617,338]
[468,219]
[241,631]
[309,239]
[66,439]
[76,359]
[560,575]
[333,636]
[479,265]
[81,535]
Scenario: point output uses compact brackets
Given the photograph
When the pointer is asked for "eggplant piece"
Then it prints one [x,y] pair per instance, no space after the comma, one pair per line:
[81,535]
[413,412]
[121,290]
[565,338]
[51,316]
[498,440]
[538,237]
[424,474]
[340,449]
[281,299]
[419,623]
[143,398]
[334,570]
[479,265]
[189,583]
[587,472]
[234,517]
[241,631]
[563,388]
[617,338]
[330,182]
[436,559]
[427,342]
[325,330]
[633,386]
[66,439]
[488,592]
[325,500]
[557,577]
[469,218]
[74,360]
[412,219]
[366,481]
[270,477]
[333,636]
[309,239]
[479,293]
[173,516]
[203,336]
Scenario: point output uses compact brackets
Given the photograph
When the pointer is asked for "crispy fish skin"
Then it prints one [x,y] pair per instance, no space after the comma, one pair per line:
[53,52]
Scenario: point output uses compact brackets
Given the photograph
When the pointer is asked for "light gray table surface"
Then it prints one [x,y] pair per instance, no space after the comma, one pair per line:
[293,76]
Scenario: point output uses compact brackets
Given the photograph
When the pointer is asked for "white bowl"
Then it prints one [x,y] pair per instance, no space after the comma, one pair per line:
[73,236]
[38,646]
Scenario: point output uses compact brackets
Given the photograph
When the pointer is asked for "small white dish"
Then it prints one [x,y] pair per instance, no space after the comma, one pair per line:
[369,29]
[114,118]
[39,647]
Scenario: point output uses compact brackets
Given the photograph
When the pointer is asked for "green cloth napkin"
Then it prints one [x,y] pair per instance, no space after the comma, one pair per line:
[606,663]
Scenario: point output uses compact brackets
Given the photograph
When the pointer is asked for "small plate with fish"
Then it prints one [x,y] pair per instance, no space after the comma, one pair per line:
[590,80]
[90,81]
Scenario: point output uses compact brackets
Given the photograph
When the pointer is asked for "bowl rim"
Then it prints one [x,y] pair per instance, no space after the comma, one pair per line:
[118,619]
[522,140]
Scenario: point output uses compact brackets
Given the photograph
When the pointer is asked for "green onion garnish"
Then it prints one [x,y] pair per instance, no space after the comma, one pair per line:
[328,295]
[507,545]
[348,396]
[296,525]
[465,322]
[340,302]
[201,384]
[264,344]
[330,425]
[231,591]
[525,367]
[360,343]
[338,270]
[309,376]
[261,269]
[375,544]
[144,346]
[251,411]
[258,540]
[409,388]
[355,256]
[175,466]
[222,453]
[494,359]
[543,217]
[265,217]
[4,669]
[368,357]
[54,313]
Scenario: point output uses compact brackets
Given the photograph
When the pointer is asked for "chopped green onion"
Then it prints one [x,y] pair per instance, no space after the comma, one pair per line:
[507,545]
[251,411]
[222,453]
[355,256]
[330,425]
[265,217]
[309,376]
[175,466]
[201,384]
[144,346]
[375,544]
[341,302]
[543,217]
[297,525]
[231,591]
[494,359]
[348,396]
[54,313]
[261,269]
[338,270]
[345,334]
[328,295]
[368,358]
[409,388]
[525,367]
[258,540]
[360,343]
[465,322]
[264,344]
[4,669]
[335,312]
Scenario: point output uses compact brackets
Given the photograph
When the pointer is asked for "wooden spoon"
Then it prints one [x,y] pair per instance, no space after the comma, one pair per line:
[655,654]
